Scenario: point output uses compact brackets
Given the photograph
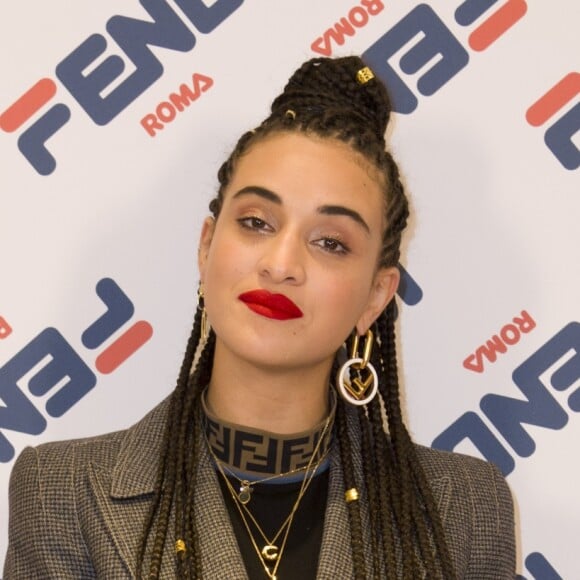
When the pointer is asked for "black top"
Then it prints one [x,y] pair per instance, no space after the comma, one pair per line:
[270,505]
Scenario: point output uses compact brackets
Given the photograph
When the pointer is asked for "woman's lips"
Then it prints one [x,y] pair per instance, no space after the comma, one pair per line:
[270,305]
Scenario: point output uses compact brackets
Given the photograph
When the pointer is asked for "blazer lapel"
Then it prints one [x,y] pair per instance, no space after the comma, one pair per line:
[122,517]
[123,497]
[220,555]
[123,491]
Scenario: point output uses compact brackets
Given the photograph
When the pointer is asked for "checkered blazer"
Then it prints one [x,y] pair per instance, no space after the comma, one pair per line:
[77,510]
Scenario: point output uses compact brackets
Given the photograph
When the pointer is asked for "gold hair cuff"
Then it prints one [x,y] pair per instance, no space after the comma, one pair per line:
[351,495]
[290,114]
[364,75]
[180,547]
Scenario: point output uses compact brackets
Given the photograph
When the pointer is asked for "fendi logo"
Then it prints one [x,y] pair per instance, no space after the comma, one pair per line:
[98,82]
[48,367]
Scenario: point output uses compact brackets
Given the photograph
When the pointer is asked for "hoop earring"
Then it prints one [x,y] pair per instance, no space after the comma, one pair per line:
[358,391]
[205,328]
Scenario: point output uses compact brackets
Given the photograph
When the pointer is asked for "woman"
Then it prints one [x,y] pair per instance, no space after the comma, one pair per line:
[256,467]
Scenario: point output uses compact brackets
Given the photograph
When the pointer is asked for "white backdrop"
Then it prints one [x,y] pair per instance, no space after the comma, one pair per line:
[105,179]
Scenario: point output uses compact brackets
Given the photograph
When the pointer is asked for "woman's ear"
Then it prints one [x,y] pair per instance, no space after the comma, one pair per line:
[384,287]
[205,239]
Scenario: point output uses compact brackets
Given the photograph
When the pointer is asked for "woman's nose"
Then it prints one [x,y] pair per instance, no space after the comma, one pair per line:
[283,259]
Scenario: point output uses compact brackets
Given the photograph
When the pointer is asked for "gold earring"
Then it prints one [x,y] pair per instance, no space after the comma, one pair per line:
[205,328]
[358,391]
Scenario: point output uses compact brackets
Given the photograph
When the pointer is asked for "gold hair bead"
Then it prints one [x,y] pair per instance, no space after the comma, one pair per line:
[351,494]
[180,547]
[290,114]
[364,75]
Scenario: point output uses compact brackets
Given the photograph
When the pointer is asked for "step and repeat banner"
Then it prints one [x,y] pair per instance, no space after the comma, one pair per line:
[114,117]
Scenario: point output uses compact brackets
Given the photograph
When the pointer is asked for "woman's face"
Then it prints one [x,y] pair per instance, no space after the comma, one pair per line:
[290,266]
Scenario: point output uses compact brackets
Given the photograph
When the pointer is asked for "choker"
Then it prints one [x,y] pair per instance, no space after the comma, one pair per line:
[256,454]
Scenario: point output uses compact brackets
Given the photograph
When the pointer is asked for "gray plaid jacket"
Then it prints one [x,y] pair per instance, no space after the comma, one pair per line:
[77,510]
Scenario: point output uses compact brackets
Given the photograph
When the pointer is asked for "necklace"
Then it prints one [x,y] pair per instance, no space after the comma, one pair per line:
[245,492]
[285,455]
[270,555]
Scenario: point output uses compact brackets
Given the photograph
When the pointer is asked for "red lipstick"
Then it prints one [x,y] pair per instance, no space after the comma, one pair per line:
[270,305]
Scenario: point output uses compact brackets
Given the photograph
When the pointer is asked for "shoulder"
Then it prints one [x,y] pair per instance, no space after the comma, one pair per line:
[60,456]
[461,479]
[62,494]
[439,463]
[43,536]
[477,512]
[55,463]
[470,477]
[45,474]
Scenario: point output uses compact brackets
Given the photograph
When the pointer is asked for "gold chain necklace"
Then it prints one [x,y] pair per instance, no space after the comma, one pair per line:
[270,552]
[245,492]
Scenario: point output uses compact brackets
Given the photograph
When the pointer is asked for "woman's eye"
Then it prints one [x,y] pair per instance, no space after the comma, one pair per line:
[332,246]
[253,223]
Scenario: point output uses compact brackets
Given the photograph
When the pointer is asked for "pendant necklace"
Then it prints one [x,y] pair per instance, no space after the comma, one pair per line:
[245,492]
[270,555]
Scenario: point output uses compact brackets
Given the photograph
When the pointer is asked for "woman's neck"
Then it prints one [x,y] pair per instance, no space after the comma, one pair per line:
[280,401]
[253,454]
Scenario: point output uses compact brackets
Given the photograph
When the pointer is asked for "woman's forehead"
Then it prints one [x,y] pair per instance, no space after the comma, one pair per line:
[299,164]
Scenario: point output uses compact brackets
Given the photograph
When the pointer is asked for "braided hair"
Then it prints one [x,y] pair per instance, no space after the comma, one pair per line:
[323,98]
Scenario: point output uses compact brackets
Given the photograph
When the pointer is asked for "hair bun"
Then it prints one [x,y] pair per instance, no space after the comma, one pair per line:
[331,86]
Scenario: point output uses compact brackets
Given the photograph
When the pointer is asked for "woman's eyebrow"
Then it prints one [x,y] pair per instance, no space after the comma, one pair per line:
[260,191]
[345,211]
[324,209]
